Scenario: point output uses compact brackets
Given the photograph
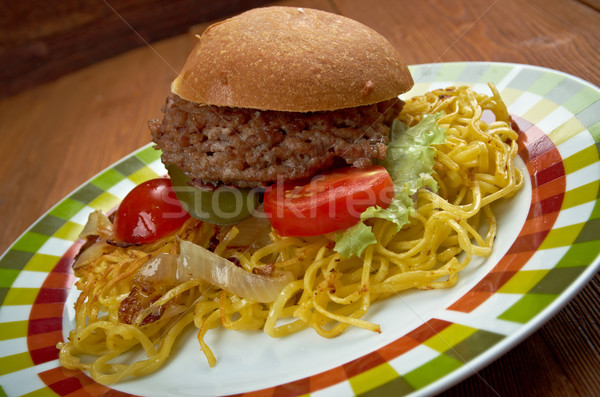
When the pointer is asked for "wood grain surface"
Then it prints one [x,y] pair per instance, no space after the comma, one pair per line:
[55,136]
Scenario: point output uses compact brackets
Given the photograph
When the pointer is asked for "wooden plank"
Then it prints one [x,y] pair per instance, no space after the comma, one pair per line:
[561,34]
[40,41]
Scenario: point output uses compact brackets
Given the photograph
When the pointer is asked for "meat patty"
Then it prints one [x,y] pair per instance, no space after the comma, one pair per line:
[248,147]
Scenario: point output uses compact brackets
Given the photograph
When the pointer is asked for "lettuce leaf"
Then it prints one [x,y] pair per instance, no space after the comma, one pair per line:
[409,161]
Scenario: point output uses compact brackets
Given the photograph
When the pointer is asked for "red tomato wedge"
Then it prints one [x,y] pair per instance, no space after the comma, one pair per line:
[148,212]
[328,202]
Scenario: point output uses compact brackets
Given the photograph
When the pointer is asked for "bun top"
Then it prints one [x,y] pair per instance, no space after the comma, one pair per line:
[291,59]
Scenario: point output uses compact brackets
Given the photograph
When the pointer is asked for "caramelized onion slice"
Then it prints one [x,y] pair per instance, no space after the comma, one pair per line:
[99,225]
[254,231]
[198,262]
[91,253]
[162,269]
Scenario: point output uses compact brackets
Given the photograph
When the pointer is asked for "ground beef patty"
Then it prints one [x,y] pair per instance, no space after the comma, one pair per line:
[248,147]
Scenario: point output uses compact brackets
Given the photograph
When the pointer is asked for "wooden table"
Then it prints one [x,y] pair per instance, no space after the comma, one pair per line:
[55,136]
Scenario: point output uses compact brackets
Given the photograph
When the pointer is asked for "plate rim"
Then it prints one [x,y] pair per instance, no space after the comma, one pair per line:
[483,359]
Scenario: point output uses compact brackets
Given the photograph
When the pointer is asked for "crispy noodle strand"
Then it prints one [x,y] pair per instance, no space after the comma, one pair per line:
[473,168]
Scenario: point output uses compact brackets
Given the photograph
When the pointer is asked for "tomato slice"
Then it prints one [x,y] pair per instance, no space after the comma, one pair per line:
[148,212]
[328,202]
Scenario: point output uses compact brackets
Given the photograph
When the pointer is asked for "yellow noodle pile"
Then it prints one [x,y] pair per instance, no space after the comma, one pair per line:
[474,168]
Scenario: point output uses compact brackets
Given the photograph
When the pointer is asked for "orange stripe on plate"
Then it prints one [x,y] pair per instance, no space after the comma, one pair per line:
[57,374]
[362,364]
[543,222]
[40,341]
[550,189]
[398,347]
[258,393]
[97,390]
[46,310]
[470,301]
[58,280]
[327,378]
[545,160]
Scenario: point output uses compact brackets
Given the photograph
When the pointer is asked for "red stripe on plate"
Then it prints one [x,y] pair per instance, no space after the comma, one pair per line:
[43,355]
[46,310]
[65,264]
[528,242]
[549,174]
[45,325]
[52,295]
[546,206]
[75,383]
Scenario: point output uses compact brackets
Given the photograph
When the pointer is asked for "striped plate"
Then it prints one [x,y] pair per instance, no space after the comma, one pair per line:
[547,248]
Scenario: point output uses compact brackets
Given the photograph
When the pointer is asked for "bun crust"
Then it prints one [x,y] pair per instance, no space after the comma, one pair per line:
[291,59]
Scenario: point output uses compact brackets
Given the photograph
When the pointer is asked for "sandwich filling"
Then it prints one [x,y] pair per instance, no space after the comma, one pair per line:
[250,147]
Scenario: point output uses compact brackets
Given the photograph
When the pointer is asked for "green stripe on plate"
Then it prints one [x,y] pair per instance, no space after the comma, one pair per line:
[15,363]
[432,371]
[594,130]
[581,159]
[148,155]
[557,280]
[13,329]
[48,392]
[8,277]
[372,378]
[14,259]
[105,202]
[580,254]
[395,387]
[566,131]
[449,337]
[41,263]
[581,100]
[67,208]
[87,193]
[69,231]
[524,79]
[527,307]
[562,236]
[142,175]
[581,195]
[495,73]
[565,91]
[523,281]
[30,242]
[48,225]
[546,83]
[20,296]
[510,95]
[477,343]
[107,179]
[450,72]
[591,229]
[540,110]
[129,165]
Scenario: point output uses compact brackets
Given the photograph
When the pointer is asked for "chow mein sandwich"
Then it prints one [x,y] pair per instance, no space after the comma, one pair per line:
[300,190]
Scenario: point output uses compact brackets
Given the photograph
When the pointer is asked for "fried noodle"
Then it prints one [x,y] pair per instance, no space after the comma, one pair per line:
[473,169]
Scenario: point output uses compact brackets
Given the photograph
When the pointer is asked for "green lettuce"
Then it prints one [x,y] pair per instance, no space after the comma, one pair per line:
[409,161]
